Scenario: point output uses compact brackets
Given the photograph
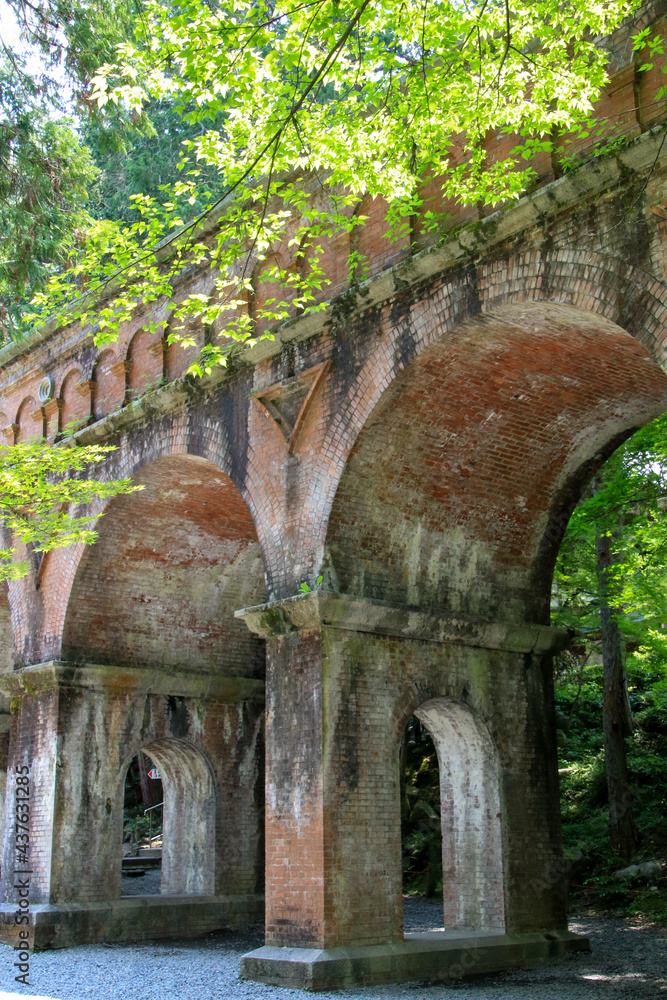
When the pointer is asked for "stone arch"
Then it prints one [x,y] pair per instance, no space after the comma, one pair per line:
[591,281]
[586,281]
[189,812]
[485,438]
[472,855]
[171,565]
[39,623]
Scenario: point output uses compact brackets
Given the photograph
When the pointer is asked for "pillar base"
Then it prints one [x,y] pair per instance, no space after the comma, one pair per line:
[133,918]
[437,956]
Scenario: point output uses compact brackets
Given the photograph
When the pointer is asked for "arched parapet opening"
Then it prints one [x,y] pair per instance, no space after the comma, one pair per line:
[28,426]
[75,402]
[109,384]
[145,364]
[472,852]
[188,817]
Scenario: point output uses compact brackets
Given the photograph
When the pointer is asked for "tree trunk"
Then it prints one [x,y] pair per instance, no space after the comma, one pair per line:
[617,721]
[147,786]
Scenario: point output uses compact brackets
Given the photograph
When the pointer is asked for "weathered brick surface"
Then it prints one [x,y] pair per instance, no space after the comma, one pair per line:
[451,498]
[469,395]
[172,564]
[333,810]
[208,750]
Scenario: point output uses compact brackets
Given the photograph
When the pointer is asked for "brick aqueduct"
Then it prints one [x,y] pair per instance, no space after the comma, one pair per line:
[420,444]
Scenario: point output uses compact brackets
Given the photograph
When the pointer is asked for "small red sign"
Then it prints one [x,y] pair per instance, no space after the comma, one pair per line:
[154,774]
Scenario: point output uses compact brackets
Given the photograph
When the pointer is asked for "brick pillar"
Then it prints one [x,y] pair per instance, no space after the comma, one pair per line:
[296,866]
[343,676]
[33,745]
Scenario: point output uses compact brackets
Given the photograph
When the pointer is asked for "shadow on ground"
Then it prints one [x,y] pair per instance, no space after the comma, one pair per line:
[628,962]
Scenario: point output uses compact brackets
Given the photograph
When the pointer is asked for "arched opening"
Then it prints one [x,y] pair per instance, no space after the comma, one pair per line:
[141,871]
[172,563]
[458,488]
[472,867]
[187,833]
[421,829]
[167,670]
[440,551]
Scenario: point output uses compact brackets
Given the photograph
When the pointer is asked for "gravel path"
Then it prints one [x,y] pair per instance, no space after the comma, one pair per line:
[629,962]
[141,885]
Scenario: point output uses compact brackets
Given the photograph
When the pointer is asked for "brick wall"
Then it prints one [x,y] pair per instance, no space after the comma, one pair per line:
[461,411]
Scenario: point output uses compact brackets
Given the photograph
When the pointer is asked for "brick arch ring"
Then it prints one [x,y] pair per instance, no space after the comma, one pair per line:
[589,282]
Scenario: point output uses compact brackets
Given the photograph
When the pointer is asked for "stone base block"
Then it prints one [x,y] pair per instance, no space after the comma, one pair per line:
[438,956]
[133,918]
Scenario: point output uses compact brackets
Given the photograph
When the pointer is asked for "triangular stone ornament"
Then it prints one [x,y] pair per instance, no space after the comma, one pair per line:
[288,402]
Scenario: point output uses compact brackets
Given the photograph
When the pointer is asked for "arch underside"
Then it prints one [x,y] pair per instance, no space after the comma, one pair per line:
[459,487]
[188,825]
[472,867]
[171,565]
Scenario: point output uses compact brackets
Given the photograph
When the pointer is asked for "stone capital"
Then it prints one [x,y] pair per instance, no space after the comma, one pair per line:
[319,609]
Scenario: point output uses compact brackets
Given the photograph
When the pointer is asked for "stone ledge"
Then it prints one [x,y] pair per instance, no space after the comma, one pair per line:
[129,680]
[433,957]
[132,918]
[356,614]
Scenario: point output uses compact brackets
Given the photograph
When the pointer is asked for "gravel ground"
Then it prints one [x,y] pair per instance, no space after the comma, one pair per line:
[141,885]
[629,962]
